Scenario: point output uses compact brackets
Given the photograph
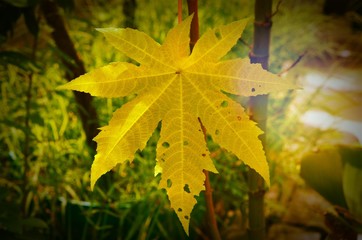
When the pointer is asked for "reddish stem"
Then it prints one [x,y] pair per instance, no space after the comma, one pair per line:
[179,11]
[194,36]
[215,234]
[194,32]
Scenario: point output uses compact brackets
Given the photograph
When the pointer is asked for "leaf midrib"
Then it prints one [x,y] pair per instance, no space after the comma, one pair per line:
[234,78]
[222,117]
[214,46]
[140,115]
[143,51]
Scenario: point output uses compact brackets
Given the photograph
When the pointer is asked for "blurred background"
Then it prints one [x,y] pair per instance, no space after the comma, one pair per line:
[314,134]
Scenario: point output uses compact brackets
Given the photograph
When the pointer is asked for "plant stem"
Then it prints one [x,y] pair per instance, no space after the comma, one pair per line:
[179,11]
[210,209]
[215,234]
[194,36]
[258,112]
[194,32]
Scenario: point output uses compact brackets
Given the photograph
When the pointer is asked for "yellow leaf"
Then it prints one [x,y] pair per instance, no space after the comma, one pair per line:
[179,89]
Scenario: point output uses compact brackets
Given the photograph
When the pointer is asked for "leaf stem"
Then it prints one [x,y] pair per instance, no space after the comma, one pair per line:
[194,32]
[210,208]
[179,11]
[194,36]
[215,234]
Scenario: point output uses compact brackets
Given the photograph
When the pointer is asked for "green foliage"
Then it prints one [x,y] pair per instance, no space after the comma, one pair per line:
[326,163]
[334,172]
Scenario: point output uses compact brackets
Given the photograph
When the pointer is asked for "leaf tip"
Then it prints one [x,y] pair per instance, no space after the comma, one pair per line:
[63,87]
[267,181]
[107,30]
[247,19]
[96,172]
[100,29]
[92,186]
[93,181]
[70,86]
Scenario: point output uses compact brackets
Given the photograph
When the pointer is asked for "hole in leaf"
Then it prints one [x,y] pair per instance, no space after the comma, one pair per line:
[186,217]
[169,183]
[186,143]
[224,104]
[217,132]
[218,35]
[186,188]
[179,210]
[165,145]
[253,89]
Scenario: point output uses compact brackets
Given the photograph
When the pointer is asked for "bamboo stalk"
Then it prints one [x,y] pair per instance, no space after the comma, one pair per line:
[258,112]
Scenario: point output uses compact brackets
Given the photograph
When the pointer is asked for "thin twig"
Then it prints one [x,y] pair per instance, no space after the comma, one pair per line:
[277,8]
[245,43]
[293,65]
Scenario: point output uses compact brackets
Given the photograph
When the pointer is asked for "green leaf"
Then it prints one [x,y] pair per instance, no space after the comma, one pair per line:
[352,177]
[322,170]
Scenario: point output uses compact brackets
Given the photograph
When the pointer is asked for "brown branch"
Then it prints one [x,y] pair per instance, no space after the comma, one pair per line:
[60,35]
